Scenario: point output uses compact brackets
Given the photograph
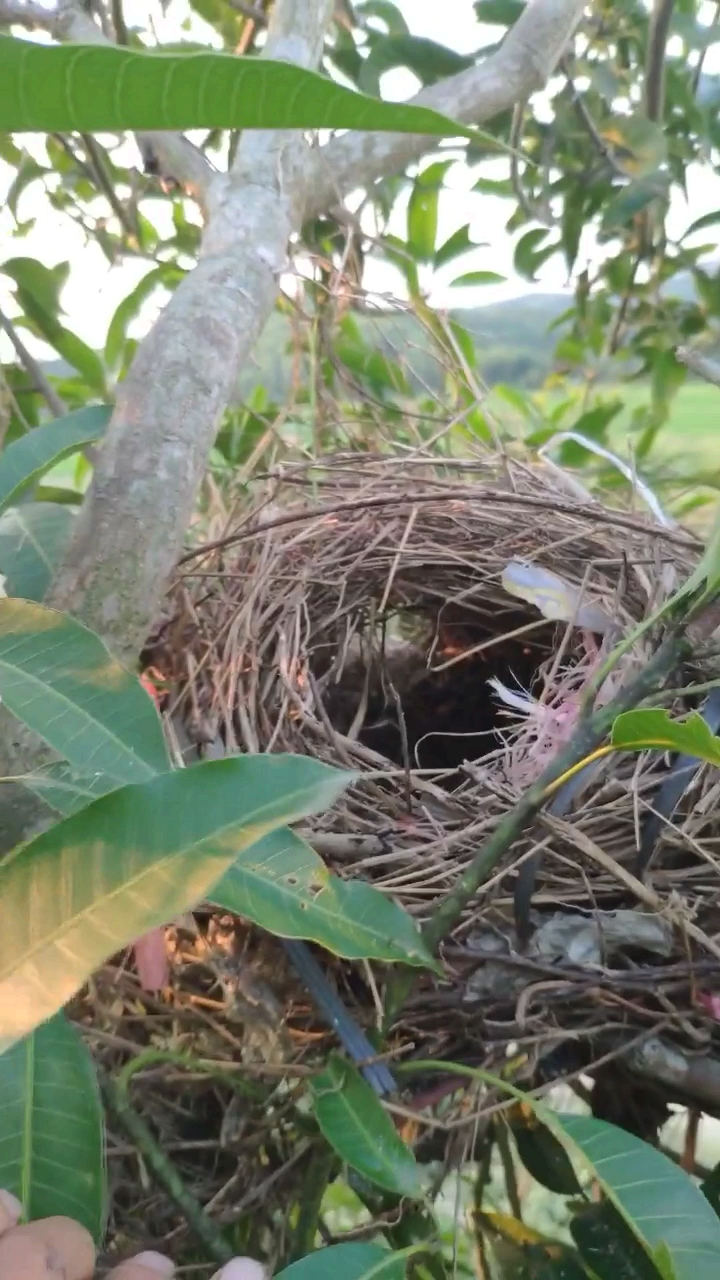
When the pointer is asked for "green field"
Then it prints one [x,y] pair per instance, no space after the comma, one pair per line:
[687,446]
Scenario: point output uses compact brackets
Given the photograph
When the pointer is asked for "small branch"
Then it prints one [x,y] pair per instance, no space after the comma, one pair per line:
[33,369]
[163,1170]
[697,363]
[526,58]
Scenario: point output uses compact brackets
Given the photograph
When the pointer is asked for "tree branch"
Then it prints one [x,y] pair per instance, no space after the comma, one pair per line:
[525,60]
[129,532]
[32,368]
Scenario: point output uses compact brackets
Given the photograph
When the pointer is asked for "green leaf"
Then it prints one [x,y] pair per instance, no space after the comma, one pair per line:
[455,245]
[355,1124]
[103,88]
[282,885]
[41,283]
[479,277]
[66,790]
[656,1198]
[707,219]
[26,459]
[631,200]
[502,12]
[543,1154]
[93,883]
[38,294]
[32,540]
[351,1261]
[168,276]
[608,1246]
[710,1188]
[62,682]
[652,727]
[429,61]
[528,254]
[52,1141]
[423,210]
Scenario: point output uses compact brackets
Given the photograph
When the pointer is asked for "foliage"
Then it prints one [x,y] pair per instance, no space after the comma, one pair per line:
[623,120]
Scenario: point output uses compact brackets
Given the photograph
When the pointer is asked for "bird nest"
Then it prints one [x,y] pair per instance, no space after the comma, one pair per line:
[358,611]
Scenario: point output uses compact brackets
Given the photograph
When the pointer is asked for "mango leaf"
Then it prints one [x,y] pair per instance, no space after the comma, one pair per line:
[710,1188]
[357,1127]
[455,245]
[652,727]
[351,1261]
[67,791]
[658,1200]
[608,1246]
[387,12]
[93,883]
[479,277]
[664,1208]
[103,88]
[32,539]
[631,200]
[168,275]
[282,885]
[529,255]
[52,1140]
[542,1153]
[26,459]
[422,211]
[38,293]
[430,61]
[62,682]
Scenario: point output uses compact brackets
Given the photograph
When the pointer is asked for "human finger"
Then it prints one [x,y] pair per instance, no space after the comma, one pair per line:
[45,1249]
[146,1266]
[242,1269]
[10,1210]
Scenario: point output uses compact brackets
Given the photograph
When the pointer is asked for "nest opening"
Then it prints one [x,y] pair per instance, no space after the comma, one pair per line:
[425,701]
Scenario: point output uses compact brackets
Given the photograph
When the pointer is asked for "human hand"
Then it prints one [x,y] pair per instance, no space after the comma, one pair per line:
[60,1249]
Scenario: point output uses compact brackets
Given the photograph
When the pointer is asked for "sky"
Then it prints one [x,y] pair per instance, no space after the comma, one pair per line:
[94,289]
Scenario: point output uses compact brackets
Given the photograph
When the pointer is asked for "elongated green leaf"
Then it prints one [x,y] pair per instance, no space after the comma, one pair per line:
[430,61]
[95,88]
[67,791]
[651,727]
[24,461]
[542,1153]
[608,1246]
[656,1198]
[51,1127]
[352,1119]
[32,539]
[665,1209]
[479,277]
[61,680]
[167,275]
[350,1261]
[137,857]
[38,294]
[284,886]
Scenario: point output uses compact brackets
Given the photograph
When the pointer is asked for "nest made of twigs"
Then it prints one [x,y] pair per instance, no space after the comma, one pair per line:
[356,612]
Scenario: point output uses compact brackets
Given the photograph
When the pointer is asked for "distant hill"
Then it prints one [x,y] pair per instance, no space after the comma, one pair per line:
[513,338]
